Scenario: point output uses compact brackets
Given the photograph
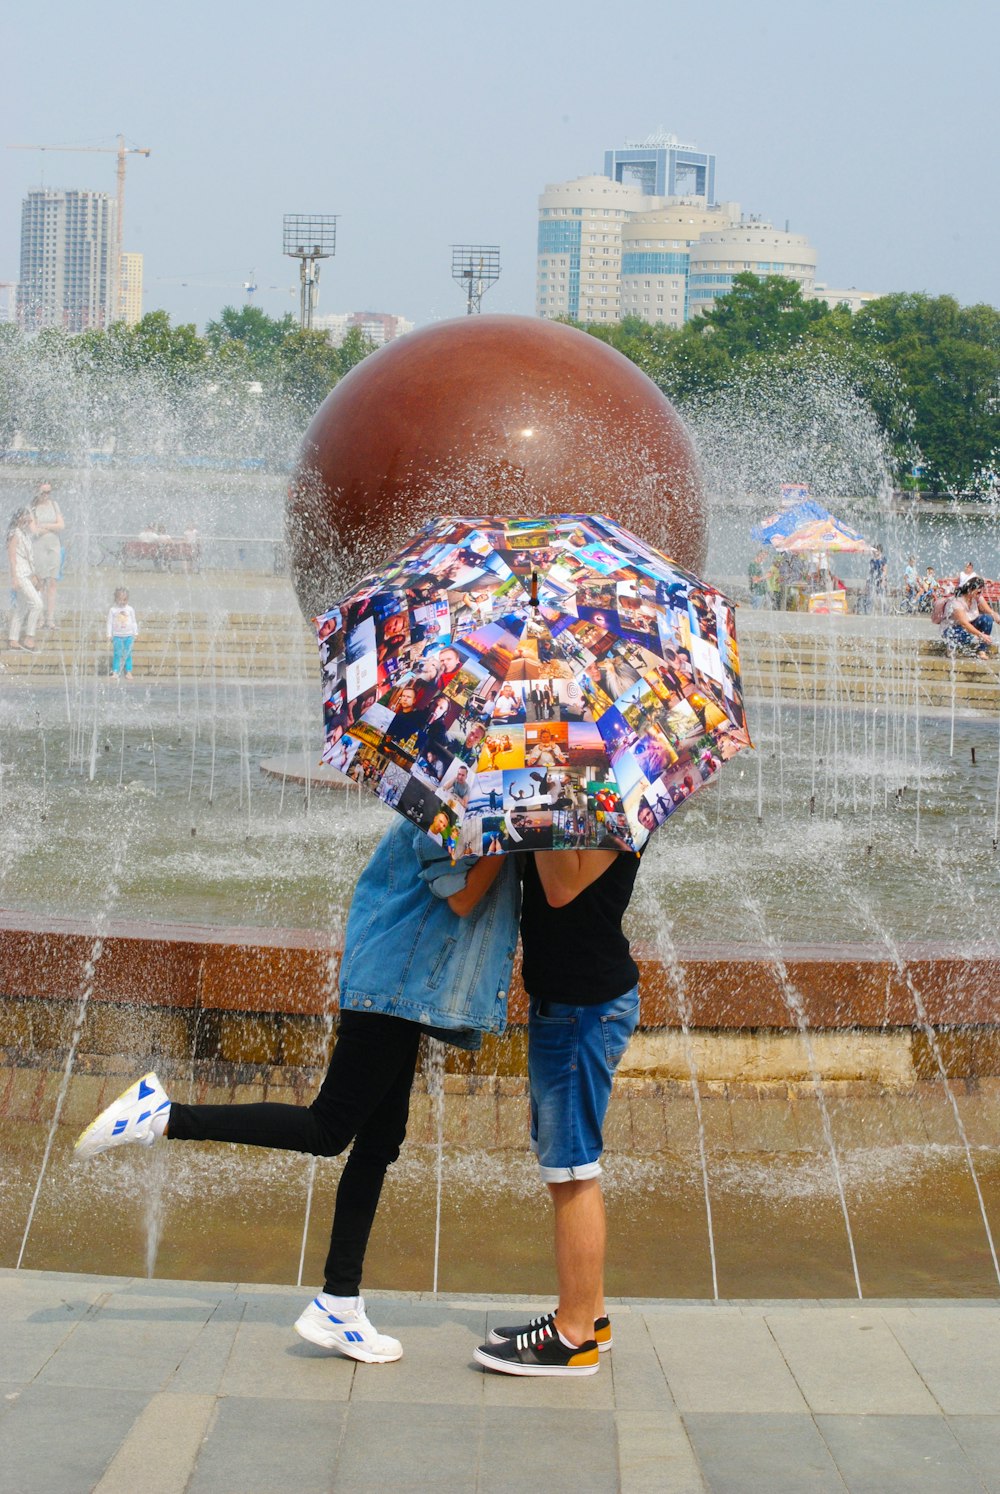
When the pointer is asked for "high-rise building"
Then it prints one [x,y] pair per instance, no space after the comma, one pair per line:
[131,288]
[69,275]
[662,166]
[649,240]
[754,246]
[580,247]
[656,251]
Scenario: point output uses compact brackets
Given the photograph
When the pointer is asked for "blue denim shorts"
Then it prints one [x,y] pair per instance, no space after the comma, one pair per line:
[573,1052]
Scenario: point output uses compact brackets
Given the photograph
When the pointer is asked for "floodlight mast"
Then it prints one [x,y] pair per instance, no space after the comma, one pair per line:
[309,238]
[475,267]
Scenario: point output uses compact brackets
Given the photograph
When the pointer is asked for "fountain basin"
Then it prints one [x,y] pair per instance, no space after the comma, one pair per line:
[265,997]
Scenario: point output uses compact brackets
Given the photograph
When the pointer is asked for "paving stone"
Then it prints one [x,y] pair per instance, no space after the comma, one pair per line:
[655,1455]
[62,1437]
[706,1356]
[898,1455]
[269,1446]
[408,1446]
[849,1363]
[772,1454]
[639,1381]
[161,1448]
[270,1360]
[203,1366]
[979,1439]
[437,1363]
[127,1342]
[957,1356]
[558,1449]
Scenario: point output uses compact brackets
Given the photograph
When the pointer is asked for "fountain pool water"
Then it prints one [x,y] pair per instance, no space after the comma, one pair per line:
[821,1161]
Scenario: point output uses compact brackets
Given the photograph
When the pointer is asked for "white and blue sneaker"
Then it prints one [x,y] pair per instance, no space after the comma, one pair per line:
[129,1118]
[346,1329]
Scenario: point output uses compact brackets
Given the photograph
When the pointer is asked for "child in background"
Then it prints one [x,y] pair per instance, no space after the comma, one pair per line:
[123,631]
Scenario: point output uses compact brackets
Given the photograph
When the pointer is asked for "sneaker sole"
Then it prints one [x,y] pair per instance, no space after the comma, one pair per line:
[507,1367]
[350,1351]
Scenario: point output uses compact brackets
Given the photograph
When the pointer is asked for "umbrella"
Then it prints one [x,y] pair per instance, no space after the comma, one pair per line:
[787,520]
[823,534]
[520,684]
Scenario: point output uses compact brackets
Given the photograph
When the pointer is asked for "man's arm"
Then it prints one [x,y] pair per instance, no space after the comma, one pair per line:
[565,874]
[477,884]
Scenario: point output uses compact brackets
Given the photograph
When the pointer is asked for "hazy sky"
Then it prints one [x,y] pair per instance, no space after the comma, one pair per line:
[871,125]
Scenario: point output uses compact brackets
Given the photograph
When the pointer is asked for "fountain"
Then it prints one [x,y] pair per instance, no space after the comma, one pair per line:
[810,1106]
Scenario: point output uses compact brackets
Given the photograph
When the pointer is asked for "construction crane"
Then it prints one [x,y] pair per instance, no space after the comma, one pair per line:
[121,150]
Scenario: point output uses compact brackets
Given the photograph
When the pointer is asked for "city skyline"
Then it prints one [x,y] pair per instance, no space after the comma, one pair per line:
[865,131]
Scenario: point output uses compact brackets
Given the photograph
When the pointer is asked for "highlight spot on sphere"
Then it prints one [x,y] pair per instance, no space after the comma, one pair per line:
[486,414]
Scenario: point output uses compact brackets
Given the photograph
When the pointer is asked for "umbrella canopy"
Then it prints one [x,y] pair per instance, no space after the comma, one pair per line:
[787,520]
[520,684]
[823,534]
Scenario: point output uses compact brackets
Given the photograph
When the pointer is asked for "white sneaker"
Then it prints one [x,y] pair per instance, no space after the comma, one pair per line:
[348,1330]
[129,1118]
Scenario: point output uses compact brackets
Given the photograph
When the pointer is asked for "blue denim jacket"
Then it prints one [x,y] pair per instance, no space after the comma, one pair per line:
[408,955]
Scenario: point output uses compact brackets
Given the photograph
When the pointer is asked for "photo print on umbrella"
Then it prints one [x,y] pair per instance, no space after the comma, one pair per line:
[525,683]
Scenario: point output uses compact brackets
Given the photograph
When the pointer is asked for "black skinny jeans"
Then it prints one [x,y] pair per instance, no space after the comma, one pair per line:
[365,1097]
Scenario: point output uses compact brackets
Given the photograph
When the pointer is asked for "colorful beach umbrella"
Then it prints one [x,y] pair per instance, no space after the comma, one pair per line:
[521,684]
[783,523]
[823,534]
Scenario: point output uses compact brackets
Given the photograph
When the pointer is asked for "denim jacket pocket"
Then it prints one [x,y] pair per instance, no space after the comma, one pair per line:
[441,963]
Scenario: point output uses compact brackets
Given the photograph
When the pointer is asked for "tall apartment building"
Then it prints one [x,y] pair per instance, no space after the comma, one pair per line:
[580,247]
[754,246]
[649,240]
[131,288]
[69,275]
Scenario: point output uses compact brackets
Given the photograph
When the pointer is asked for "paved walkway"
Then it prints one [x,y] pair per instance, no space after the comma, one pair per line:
[115,1384]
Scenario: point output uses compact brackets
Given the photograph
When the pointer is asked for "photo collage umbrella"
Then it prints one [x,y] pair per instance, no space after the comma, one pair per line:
[518,684]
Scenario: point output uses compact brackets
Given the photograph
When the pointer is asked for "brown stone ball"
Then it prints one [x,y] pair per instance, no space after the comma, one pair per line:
[504,415]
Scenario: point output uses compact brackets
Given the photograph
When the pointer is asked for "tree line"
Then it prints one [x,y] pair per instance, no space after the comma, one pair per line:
[928,367]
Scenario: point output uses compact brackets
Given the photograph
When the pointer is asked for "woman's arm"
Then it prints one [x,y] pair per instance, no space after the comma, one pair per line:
[565,874]
[479,881]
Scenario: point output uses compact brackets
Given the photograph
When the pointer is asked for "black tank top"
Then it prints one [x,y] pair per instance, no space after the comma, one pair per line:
[578,954]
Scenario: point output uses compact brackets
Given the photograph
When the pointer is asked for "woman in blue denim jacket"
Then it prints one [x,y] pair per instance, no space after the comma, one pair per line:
[429,948]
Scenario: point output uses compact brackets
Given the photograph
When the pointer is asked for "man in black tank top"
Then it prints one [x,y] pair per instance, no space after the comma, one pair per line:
[582,985]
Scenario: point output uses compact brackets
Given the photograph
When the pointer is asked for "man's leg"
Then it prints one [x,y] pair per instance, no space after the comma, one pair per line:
[580,1238]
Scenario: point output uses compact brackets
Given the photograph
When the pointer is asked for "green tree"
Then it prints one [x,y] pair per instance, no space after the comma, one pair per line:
[251,336]
[759,315]
[307,370]
[947,360]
